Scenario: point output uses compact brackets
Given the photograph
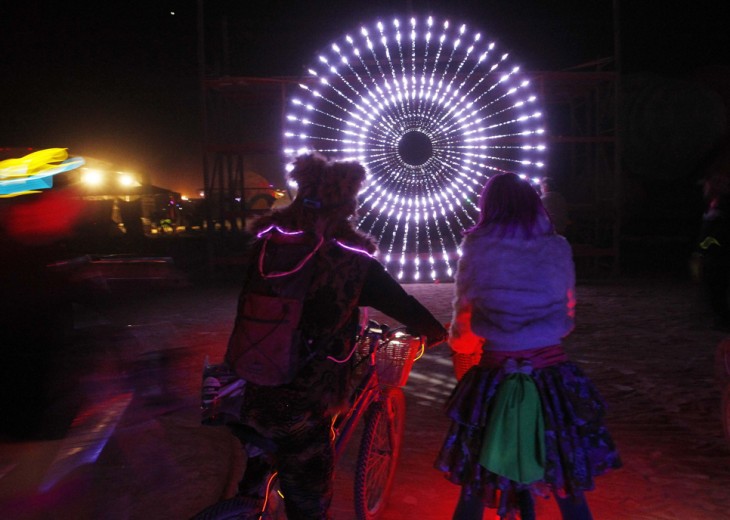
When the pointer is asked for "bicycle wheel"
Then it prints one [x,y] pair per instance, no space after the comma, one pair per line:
[379,452]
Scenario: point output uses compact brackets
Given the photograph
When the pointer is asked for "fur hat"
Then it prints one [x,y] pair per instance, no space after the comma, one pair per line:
[327,193]
[327,186]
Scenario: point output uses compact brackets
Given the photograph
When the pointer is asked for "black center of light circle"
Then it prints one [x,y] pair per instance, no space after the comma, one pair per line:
[415,148]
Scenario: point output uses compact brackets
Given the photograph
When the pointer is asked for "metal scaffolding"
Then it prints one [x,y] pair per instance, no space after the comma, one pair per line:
[244,119]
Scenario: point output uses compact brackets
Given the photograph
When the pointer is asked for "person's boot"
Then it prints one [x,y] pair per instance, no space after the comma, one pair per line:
[574,508]
[527,505]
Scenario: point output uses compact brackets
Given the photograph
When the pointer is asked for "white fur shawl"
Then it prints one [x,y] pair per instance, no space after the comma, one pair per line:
[521,291]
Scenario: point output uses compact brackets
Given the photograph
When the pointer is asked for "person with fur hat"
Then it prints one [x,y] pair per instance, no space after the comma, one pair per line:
[525,420]
[316,233]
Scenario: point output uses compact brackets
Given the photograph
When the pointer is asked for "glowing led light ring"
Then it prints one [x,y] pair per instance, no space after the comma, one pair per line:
[431,109]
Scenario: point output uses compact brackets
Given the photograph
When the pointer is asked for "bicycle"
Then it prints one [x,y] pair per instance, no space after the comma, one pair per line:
[383,359]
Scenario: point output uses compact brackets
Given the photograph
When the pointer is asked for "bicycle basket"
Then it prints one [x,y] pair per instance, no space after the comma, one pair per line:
[394,360]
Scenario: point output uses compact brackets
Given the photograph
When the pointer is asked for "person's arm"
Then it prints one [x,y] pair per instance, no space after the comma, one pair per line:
[570,299]
[461,338]
[385,294]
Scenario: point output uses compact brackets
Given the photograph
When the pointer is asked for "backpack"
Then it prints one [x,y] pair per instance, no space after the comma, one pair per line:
[267,346]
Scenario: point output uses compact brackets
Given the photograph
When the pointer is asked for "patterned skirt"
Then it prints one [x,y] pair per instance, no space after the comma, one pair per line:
[578,447]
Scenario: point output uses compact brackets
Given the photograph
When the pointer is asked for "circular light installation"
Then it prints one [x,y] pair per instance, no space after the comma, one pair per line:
[431,110]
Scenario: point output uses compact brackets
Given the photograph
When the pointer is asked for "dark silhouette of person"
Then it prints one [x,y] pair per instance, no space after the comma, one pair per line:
[555,205]
[714,248]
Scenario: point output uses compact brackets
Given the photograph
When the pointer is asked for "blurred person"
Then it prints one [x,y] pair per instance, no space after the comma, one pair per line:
[296,417]
[555,205]
[525,421]
[36,311]
[714,248]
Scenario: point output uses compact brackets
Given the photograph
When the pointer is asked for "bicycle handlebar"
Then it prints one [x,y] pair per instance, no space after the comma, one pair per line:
[387,333]
[383,334]
[384,331]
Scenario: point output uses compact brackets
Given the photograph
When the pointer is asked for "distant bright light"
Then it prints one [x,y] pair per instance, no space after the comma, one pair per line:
[431,113]
[127,180]
[92,177]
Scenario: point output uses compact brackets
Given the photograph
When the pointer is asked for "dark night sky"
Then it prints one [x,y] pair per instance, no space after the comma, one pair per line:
[119,80]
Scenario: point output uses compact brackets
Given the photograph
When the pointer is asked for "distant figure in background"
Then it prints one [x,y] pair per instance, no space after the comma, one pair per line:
[526,420]
[714,248]
[555,204]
